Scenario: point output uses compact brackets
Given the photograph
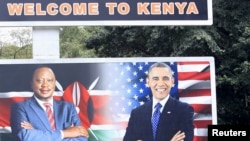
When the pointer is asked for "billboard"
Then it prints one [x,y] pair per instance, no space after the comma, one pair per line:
[96,12]
[105,90]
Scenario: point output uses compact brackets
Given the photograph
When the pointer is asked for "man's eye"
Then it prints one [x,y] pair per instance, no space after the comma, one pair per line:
[166,78]
[39,80]
[50,80]
[155,78]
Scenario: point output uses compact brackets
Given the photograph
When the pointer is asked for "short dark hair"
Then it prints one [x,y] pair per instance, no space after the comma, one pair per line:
[159,65]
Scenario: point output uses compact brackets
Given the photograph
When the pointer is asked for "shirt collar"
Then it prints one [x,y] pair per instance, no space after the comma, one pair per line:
[42,102]
[162,102]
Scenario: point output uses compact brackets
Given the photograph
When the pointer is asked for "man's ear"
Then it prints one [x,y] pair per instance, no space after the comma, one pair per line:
[172,80]
[147,80]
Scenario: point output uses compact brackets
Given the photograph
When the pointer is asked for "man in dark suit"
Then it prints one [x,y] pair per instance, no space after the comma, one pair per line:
[30,122]
[176,118]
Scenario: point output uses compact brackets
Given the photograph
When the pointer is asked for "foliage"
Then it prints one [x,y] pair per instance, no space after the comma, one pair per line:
[8,52]
[72,43]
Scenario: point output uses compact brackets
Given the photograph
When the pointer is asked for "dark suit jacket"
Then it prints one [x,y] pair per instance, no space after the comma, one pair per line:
[175,116]
[30,111]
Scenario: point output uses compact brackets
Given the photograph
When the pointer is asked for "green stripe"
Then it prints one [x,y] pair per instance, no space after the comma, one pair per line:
[104,135]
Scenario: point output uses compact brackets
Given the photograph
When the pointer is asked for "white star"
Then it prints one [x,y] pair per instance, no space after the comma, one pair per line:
[173,85]
[141,103]
[135,73]
[128,91]
[135,85]
[122,73]
[141,79]
[141,90]
[129,79]
[129,103]
[140,67]
[128,68]
[135,97]
[148,97]
[123,109]
[173,73]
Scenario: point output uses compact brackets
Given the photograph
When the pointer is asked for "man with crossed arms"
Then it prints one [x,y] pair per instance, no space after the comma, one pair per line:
[176,117]
[29,121]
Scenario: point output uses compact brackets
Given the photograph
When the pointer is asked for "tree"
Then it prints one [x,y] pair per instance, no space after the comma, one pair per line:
[23,40]
[72,44]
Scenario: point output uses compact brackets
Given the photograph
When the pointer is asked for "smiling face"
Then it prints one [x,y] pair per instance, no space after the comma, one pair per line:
[160,81]
[43,83]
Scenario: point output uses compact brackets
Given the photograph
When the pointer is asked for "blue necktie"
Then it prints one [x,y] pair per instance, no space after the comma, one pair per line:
[155,118]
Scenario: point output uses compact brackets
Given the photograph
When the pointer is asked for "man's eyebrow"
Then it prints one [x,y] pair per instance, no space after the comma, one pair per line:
[155,76]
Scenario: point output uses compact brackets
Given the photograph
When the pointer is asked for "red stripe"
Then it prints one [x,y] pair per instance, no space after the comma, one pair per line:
[194,92]
[194,76]
[5,104]
[192,62]
[202,108]
[202,123]
[101,114]
[122,125]
[5,114]
[200,138]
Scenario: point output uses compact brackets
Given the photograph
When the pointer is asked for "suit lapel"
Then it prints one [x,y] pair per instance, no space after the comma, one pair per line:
[167,112]
[58,120]
[148,126]
[39,113]
[166,118]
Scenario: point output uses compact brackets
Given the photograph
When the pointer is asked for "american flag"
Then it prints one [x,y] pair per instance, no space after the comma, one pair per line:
[118,86]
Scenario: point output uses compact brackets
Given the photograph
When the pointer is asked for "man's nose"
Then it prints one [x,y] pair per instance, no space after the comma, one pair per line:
[44,83]
[161,82]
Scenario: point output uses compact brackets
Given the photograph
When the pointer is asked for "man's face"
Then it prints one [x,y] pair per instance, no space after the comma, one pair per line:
[43,83]
[160,81]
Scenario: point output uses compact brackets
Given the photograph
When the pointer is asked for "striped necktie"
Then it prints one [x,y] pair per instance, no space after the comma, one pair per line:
[155,118]
[50,116]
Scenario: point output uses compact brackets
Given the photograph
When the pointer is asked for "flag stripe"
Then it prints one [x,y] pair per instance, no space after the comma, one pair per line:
[202,123]
[200,131]
[202,108]
[194,75]
[194,84]
[192,62]
[192,68]
[197,99]
[202,116]
[200,138]
[194,92]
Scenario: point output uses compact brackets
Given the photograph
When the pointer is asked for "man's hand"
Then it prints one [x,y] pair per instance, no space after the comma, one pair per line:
[26,125]
[75,131]
[179,136]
